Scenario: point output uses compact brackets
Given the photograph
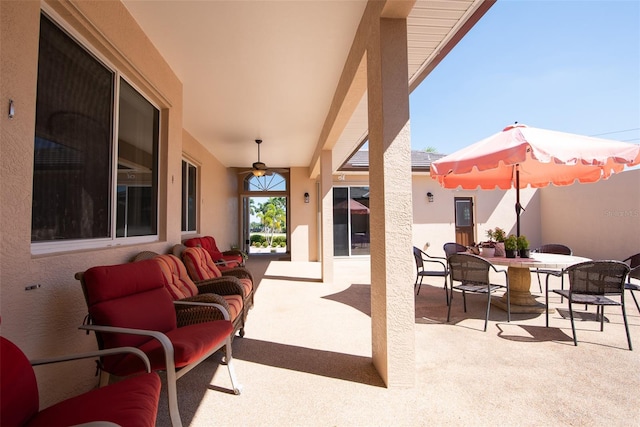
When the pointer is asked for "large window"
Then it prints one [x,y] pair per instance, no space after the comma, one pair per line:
[92,180]
[350,221]
[189,196]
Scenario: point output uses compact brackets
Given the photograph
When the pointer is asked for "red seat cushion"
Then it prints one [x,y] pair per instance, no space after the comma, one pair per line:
[235,305]
[189,344]
[176,277]
[201,267]
[130,402]
[247,285]
[199,264]
[18,388]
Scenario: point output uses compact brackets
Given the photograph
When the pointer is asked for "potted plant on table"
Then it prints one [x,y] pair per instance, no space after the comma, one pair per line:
[523,246]
[488,248]
[511,246]
[499,236]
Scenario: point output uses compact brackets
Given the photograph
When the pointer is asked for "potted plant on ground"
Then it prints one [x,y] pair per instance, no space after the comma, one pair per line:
[523,246]
[511,246]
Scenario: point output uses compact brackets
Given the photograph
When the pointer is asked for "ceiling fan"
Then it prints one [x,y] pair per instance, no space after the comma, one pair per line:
[259,168]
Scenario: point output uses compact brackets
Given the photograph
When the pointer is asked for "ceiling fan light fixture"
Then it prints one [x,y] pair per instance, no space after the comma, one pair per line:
[258,172]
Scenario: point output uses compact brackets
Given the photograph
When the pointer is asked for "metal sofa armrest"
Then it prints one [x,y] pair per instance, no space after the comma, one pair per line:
[92,354]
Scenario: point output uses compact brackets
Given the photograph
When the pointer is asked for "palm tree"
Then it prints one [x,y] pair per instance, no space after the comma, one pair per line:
[273,216]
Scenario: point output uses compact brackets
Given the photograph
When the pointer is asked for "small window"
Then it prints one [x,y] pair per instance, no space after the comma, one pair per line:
[270,182]
[189,196]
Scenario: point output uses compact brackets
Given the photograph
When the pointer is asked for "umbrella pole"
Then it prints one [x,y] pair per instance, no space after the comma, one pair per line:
[518,206]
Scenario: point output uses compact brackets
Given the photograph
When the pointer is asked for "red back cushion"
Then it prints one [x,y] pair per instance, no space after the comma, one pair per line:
[18,387]
[131,295]
[206,242]
[175,277]
[199,264]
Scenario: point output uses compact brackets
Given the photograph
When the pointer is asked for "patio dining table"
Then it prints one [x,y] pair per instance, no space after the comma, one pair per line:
[518,270]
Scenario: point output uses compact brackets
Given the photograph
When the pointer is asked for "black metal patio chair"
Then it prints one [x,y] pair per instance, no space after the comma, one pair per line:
[472,272]
[551,248]
[634,264]
[595,283]
[439,270]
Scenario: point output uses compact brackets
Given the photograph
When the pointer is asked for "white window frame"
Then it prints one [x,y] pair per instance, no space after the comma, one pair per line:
[51,247]
[190,162]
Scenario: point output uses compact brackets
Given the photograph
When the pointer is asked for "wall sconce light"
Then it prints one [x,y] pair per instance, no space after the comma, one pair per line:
[430,197]
[306,197]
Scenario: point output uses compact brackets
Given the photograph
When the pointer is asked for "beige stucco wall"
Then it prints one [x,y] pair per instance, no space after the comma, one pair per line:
[218,191]
[303,222]
[599,220]
[434,222]
[43,322]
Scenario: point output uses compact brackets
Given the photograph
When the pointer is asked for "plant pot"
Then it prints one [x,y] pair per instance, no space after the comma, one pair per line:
[499,249]
[511,253]
[524,253]
[487,252]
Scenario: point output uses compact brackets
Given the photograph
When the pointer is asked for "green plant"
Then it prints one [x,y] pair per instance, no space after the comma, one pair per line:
[257,238]
[522,243]
[277,240]
[499,235]
[496,234]
[511,243]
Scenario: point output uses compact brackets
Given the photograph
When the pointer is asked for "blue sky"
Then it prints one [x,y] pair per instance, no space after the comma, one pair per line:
[571,66]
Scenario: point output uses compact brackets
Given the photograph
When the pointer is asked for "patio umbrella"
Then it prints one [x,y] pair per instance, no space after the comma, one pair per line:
[522,156]
[356,207]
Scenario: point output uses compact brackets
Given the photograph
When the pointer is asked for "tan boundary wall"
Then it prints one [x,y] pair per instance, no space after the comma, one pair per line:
[599,220]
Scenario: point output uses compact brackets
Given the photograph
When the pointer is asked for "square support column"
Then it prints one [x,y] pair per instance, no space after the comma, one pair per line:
[326,215]
[392,268]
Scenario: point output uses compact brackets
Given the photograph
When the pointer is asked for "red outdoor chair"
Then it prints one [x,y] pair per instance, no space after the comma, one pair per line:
[227,291]
[130,402]
[225,260]
[201,267]
[129,305]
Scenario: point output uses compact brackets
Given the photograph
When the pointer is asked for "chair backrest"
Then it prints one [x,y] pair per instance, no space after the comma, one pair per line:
[597,277]
[175,277]
[206,242]
[554,248]
[453,248]
[417,255]
[199,264]
[634,264]
[469,268]
[18,386]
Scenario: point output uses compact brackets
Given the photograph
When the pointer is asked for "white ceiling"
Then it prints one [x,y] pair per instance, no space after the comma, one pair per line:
[268,69]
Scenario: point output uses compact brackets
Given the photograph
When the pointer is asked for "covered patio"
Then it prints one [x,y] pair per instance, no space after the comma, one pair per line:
[365,354]
[518,373]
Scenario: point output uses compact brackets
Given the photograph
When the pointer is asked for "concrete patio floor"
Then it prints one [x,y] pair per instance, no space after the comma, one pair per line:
[306,361]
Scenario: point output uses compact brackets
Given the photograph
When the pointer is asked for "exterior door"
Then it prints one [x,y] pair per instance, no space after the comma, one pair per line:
[464,220]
